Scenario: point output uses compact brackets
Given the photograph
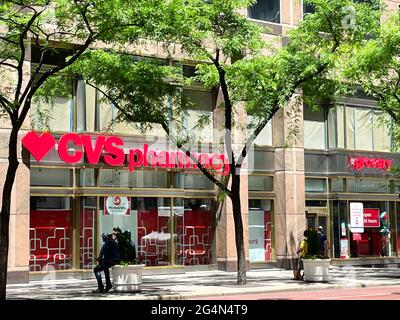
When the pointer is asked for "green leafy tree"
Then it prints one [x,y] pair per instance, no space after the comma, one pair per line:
[75,24]
[231,56]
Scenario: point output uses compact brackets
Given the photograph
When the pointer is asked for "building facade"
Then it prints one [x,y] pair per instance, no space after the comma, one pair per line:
[60,210]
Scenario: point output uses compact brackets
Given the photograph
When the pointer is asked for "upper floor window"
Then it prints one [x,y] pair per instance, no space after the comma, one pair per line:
[308,8]
[358,128]
[266,10]
[264,138]
[314,128]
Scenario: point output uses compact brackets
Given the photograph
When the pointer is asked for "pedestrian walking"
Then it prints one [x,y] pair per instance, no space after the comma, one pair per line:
[323,243]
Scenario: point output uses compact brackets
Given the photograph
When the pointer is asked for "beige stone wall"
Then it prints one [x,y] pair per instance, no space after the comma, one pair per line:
[18,261]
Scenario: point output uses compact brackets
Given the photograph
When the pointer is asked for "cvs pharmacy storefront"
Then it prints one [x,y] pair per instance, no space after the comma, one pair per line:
[82,186]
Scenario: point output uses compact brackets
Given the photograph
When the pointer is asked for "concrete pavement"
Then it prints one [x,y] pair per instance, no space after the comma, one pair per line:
[203,284]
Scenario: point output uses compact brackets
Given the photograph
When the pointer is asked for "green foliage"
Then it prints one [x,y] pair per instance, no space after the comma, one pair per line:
[126,247]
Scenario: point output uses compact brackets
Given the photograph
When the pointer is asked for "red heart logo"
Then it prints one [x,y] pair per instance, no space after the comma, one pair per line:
[37,145]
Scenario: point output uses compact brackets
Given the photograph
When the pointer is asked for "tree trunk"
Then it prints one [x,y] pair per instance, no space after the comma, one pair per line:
[5,209]
[237,217]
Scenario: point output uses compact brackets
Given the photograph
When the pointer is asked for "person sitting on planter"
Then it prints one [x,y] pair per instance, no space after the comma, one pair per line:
[108,257]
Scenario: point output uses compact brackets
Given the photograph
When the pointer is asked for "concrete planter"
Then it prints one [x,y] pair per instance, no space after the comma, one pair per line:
[316,270]
[127,278]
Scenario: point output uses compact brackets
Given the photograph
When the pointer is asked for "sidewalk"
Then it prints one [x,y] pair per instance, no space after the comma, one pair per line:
[199,285]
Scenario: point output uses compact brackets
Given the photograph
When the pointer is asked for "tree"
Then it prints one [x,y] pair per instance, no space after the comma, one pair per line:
[375,66]
[231,55]
[48,25]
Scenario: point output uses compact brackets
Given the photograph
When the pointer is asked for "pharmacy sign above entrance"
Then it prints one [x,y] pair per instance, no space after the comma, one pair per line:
[359,163]
[73,147]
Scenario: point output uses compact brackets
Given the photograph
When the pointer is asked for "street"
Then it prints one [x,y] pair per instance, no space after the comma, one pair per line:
[374,293]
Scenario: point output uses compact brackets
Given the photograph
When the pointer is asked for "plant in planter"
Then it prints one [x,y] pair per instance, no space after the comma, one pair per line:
[127,276]
[316,264]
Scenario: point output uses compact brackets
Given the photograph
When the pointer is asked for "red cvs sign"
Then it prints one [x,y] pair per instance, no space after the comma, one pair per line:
[72,147]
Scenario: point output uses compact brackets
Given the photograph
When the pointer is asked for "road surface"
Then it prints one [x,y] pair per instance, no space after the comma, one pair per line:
[374,293]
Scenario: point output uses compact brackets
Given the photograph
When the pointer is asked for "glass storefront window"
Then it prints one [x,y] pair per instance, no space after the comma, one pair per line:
[194,231]
[148,179]
[374,241]
[50,233]
[114,178]
[87,232]
[193,181]
[153,231]
[260,230]
[368,185]
[51,177]
[315,185]
[87,177]
[337,185]
[261,183]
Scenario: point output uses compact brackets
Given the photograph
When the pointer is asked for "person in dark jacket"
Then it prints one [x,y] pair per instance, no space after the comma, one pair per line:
[108,257]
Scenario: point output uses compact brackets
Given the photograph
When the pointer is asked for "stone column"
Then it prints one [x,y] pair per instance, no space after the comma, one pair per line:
[289,213]
[18,259]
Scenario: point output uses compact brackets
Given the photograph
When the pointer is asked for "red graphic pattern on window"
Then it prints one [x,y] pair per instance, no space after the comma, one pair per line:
[86,239]
[194,238]
[50,240]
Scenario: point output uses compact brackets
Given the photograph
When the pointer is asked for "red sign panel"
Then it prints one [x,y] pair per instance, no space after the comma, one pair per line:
[371,218]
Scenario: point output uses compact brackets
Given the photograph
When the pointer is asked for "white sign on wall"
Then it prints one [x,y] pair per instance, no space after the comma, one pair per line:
[357,217]
[117,206]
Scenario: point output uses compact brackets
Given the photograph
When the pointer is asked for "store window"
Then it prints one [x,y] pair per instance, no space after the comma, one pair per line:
[337,185]
[193,181]
[314,128]
[50,233]
[87,177]
[87,232]
[361,185]
[154,236]
[149,179]
[316,185]
[375,240]
[117,211]
[264,138]
[261,183]
[194,231]
[114,178]
[266,10]
[260,230]
[51,177]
